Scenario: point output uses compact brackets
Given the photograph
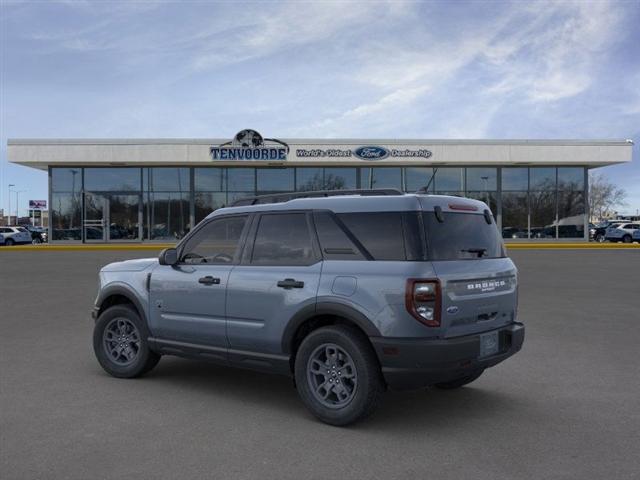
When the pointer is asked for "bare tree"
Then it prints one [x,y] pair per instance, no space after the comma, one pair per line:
[604,196]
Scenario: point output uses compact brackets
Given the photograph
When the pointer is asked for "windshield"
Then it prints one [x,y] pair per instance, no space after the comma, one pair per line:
[461,236]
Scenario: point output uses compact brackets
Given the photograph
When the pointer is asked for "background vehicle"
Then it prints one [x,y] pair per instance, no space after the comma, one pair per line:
[600,230]
[636,235]
[38,234]
[622,232]
[342,293]
[15,235]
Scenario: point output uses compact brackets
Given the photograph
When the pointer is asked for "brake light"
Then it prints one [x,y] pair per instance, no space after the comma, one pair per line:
[423,300]
[463,207]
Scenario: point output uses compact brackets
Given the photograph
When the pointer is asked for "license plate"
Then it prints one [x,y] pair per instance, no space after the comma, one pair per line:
[489,344]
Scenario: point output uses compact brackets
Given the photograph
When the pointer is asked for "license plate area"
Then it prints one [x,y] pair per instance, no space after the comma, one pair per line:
[489,344]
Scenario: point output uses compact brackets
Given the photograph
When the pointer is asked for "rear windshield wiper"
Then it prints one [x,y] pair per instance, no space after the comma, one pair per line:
[479,251]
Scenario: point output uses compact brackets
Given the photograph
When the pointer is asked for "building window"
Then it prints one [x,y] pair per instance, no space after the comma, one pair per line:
[112,179]
[381,177]
[340,179]
[515,179]
[275,180]
[241,179]
[309,179]
[166,203]
[515,215]
[450,181]
[66,216]
[417,178]
[483,179]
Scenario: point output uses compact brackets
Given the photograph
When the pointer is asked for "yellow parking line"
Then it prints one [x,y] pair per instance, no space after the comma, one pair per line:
[584,246]
[160,246]
[80,247]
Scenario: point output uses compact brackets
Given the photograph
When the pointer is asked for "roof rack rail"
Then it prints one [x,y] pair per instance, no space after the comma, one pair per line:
[285,197]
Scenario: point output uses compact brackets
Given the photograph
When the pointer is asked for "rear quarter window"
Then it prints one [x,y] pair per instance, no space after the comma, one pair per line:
[381,233]
[461,236]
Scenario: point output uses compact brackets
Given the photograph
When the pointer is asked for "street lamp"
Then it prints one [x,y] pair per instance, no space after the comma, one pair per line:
[9,211]
[18,192]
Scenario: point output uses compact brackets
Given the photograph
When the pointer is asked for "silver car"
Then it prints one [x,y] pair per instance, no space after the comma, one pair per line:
[15,235]
[350,294]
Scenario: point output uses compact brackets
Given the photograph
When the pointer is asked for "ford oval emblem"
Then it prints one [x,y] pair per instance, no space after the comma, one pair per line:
[371,153]
[452,310]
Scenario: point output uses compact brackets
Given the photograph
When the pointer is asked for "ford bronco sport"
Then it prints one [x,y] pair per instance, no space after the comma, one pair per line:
[350,293]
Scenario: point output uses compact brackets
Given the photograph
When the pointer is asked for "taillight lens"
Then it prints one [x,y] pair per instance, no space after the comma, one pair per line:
[422,299]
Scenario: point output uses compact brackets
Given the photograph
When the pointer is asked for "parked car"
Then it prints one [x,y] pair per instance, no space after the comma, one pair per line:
[15,235]
[635,236]
[341,293]
[1,239]
[622,232]
[38,234]
[599,232]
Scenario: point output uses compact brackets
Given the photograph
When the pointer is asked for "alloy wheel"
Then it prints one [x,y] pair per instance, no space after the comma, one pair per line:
[121,340]
[332,376]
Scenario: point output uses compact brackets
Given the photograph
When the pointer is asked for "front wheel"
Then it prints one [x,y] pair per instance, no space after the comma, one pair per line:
[36,241]
[338,376]
[626,239]
[459,382]
[120,343]
[9,242]
[599,238]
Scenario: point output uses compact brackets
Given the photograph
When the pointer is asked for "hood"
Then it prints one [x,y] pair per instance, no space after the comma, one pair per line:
[135,265]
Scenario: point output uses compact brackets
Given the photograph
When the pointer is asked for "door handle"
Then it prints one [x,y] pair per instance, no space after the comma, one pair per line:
[290,283]
[209,280]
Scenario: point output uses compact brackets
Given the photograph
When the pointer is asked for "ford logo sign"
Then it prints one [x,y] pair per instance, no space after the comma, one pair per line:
[371,153]
[452,310]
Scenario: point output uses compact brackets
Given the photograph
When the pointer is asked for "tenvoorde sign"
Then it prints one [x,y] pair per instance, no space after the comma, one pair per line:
[249,145]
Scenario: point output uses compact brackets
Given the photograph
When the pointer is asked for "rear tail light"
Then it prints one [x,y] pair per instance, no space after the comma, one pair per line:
[423,300]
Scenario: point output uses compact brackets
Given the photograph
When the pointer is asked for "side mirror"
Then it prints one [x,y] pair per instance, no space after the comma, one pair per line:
[168,256]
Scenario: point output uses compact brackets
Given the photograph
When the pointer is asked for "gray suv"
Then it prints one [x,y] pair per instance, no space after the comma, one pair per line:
[350,293]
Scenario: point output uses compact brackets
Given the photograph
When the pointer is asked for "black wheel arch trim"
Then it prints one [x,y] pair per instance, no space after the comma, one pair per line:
[117,289]
[326,308]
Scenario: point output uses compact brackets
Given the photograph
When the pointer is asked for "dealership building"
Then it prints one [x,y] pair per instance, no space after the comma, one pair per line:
[133,190]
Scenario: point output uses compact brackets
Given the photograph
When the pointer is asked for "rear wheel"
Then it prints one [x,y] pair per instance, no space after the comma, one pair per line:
[120,343]
[9,242]
[337,375]
[459,382]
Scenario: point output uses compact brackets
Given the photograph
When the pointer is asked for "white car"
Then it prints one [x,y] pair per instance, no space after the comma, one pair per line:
[15,235]
[622,233]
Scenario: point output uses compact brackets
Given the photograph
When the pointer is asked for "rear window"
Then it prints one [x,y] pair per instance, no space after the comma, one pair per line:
[461,236]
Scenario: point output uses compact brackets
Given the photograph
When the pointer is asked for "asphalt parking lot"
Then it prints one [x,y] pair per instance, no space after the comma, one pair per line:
[566,407]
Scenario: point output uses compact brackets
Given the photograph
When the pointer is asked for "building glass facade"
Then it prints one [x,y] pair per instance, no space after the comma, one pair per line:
[163,203]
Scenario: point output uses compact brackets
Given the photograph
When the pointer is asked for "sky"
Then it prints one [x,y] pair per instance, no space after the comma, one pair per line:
[375,69]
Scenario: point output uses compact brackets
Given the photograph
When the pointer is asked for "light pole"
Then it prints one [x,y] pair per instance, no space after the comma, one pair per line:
[18,192]
[9,211]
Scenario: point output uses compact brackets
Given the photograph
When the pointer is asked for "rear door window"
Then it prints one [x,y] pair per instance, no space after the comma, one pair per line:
[461,236]
[283,239]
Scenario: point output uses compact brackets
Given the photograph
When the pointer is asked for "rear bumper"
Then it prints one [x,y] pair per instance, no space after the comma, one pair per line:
[416,363]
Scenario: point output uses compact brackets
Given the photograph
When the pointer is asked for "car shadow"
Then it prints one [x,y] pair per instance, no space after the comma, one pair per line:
[399,411]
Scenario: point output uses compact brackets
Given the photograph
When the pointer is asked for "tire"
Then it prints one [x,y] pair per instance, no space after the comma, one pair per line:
[361,387]
[459,382]
[626,239]
[9,242]
[36,241]
[599,238]
[133,357]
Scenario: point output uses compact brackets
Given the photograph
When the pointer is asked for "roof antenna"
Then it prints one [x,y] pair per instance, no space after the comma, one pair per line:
[426,189]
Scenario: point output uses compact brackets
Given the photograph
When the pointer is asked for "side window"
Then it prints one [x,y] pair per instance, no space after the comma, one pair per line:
[380,233]
[283,239]
[334,242]
[217,243]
